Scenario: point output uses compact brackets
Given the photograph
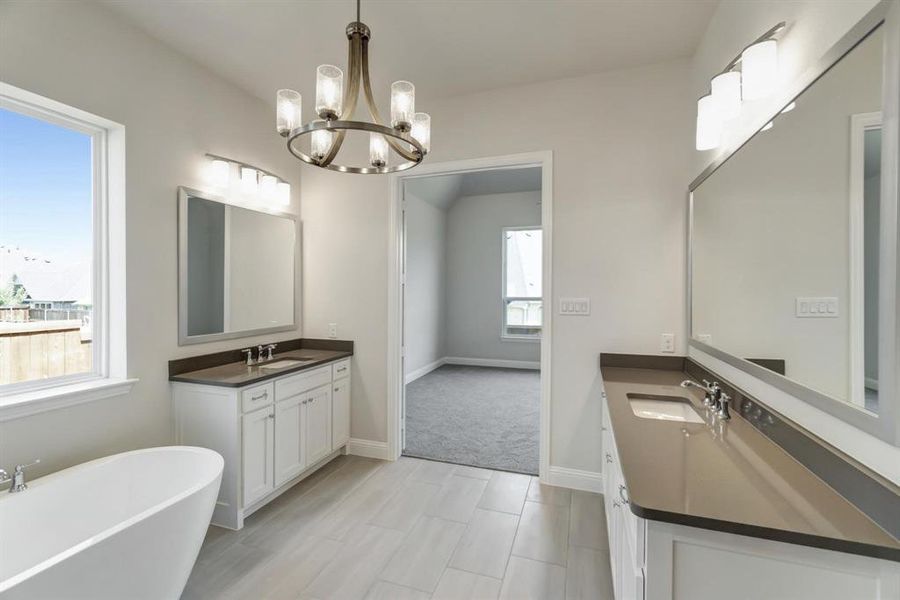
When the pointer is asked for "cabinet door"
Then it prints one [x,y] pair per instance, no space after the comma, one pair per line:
[340,413]
[318,423]
[258,429]
[290,420]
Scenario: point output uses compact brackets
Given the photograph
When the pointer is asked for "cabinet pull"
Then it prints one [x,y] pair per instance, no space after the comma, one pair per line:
[337,389]
[262,396]
[271,416]
[622,494]
[608,457]
[305,401]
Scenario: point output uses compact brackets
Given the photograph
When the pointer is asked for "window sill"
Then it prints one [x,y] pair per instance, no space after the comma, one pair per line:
[519,338]
[23,404]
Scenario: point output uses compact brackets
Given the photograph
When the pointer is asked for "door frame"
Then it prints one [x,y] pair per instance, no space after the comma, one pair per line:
[395,375]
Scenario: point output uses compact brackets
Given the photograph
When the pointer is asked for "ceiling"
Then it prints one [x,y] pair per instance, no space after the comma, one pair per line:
[443,190]
[445,47]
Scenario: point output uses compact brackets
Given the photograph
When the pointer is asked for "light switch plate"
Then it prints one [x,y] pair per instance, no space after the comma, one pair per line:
[332,330]
[575,306]
[817,308]
[667,343]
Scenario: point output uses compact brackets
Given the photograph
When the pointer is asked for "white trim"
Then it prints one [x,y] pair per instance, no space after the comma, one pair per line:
[871,384]
[576,479]
[34,402]
[369,449]
[108,262]
[422,371]
[492,362]
[395,254]
[859,124]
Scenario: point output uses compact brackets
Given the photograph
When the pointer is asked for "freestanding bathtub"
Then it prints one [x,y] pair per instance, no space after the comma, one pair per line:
[120,527]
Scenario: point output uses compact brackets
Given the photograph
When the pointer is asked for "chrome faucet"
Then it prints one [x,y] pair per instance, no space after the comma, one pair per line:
[270,348]
[18,477]
[709,389]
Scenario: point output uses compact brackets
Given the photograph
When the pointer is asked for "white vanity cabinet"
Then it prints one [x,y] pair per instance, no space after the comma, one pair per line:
[655,560]
[271,434]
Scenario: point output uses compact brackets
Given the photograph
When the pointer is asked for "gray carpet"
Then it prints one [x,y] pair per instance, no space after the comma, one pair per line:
[478,416]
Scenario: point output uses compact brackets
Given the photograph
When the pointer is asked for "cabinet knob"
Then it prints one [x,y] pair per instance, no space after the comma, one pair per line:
[623,494]
[608,457]
[271,416]
[337,389]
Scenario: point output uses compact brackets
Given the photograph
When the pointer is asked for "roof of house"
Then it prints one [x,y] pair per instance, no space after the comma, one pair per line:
[46,280]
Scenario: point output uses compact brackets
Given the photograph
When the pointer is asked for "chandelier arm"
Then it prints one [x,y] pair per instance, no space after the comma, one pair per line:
[350,98]
[373,109]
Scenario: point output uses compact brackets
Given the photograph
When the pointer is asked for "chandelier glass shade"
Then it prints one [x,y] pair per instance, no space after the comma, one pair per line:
[318,142]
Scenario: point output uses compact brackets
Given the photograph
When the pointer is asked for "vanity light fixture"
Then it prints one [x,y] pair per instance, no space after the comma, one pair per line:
[750,75]
[250,181]
[408,134]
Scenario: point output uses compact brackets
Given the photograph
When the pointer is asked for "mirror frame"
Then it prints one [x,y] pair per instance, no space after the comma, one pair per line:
[886,424]
[183,338]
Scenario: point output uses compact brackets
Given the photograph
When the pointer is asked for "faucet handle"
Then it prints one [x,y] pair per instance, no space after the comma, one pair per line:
[249,353]
[271,347]
[724,399]
[20,468]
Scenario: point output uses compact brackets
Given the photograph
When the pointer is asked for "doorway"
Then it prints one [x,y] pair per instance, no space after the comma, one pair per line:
[469,313]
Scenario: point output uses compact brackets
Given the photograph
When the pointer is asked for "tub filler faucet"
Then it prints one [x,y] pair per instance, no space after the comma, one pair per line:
[18,478]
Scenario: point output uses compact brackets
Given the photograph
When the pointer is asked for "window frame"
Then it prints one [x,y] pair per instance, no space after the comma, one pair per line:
[108,373]
[505,300]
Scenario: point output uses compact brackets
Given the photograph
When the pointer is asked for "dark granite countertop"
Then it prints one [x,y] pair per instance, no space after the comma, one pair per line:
[238,374]
[729,478]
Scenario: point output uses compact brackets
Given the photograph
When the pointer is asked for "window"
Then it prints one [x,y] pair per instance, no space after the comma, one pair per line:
[61,249]
[521,285]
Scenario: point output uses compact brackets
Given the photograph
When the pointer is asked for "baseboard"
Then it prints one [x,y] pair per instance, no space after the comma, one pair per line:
[588,481]
[421,372]
[871,383]
[368,449]
[493,362]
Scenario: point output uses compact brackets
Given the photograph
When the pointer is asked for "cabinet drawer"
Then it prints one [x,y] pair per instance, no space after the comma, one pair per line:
[341,369]
[302,382]
[257,397]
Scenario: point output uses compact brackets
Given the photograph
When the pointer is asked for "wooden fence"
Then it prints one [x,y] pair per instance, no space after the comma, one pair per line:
[42,349]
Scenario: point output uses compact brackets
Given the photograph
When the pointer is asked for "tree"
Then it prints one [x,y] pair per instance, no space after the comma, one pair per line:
[13,293]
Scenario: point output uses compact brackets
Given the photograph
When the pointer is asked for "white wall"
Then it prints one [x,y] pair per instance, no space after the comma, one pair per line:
[474,256]
[173,111]
[815,27]
[426,276]
[621,142]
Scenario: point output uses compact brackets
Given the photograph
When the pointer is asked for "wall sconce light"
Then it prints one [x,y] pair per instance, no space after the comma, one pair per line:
[751,75]
[251,181]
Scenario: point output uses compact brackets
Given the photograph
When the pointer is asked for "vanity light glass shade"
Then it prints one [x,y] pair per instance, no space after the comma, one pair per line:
[403,105]
[789,107]
[759,70]
[421,130]
[283,193]
[287,111]
[219,173]
[319,143]
[378,150]
[768,126]
[709,123]
[329,91]
[726,89]
[268,187]
[249,183]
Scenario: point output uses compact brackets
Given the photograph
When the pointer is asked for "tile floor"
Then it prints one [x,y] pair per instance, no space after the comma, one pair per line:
[412,529]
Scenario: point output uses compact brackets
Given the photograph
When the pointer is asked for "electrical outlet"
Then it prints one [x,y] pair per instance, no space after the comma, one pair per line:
[667,342]
[706,338]
[332,330]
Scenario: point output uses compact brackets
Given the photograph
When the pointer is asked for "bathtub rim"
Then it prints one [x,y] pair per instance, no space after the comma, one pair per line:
[57,558]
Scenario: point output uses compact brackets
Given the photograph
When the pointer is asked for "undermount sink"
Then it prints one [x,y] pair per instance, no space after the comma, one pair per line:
[663,408]
[285,363]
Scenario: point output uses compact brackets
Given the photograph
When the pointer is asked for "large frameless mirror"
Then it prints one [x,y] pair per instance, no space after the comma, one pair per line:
[237,269]
[785,244]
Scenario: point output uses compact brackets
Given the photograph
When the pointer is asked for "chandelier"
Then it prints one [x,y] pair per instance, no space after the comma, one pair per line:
[409,133]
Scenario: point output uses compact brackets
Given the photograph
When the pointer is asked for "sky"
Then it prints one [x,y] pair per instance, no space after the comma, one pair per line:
[45,189]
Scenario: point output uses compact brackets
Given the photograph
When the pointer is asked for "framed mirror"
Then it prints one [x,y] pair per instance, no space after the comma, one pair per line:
[787,252]
[237,269]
